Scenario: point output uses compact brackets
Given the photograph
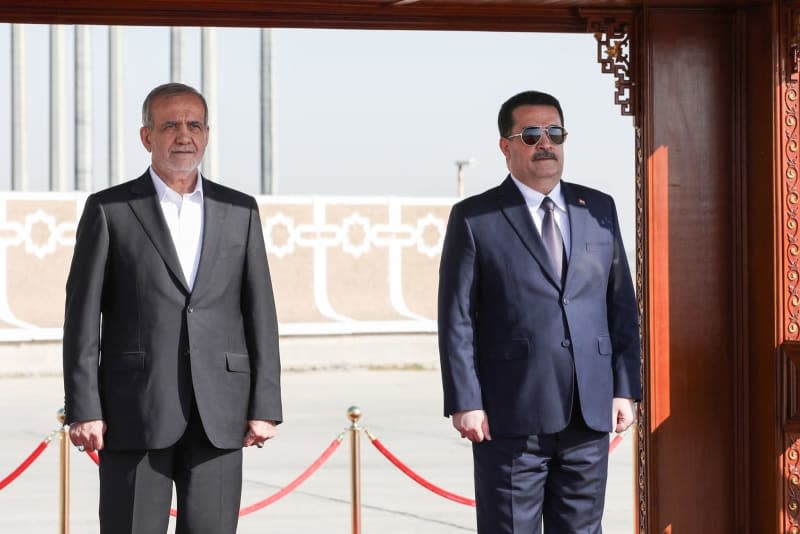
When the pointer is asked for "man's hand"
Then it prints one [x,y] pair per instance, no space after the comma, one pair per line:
[88,434]
[258,432]
[622,413]
[473,425]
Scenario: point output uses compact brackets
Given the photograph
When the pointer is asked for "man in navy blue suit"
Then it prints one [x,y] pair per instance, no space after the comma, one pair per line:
[538,333]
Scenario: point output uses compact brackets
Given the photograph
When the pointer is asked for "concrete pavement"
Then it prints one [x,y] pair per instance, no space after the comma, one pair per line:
[401,407]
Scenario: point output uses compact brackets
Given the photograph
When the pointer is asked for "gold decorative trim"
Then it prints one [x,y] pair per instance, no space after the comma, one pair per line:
[791,504]
[789,206]
[641,434]
[791,195]
[612,33]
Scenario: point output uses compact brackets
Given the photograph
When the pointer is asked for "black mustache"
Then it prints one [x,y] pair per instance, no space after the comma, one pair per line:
[544,155]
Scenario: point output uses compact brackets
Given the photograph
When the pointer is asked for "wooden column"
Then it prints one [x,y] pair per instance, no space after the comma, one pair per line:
[760,415]
[693,204]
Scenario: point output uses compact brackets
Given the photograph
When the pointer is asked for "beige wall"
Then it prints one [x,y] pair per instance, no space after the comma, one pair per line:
[339,265]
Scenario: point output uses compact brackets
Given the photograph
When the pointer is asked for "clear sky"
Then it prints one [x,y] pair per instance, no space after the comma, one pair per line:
[358,112]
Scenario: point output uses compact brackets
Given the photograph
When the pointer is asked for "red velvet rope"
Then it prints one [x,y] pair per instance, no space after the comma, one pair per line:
[25,464]
[405,469]
[290,487]
[297,481]
[436,489]
[310,470]
[614,442]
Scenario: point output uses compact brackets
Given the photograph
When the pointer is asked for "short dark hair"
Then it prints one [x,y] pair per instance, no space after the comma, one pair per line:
[505,119]
[168,90]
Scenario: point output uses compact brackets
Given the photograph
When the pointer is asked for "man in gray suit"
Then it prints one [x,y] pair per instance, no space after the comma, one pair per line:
[171,360]
[538,333]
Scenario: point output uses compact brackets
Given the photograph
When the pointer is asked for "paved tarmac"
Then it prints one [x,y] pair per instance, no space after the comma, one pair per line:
[401,407]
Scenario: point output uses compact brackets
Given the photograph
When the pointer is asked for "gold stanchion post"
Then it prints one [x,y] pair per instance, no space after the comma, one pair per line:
[354,414]
[64,476]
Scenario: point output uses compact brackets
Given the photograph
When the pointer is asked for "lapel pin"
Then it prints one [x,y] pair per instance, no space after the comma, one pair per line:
[581,202]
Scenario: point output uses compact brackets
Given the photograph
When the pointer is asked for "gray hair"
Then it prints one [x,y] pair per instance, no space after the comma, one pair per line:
[168,90]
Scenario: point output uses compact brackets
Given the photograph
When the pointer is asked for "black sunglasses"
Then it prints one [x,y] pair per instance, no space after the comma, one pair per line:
[531,135]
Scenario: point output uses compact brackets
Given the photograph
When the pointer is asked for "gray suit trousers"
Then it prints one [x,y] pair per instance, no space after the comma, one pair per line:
[136,487]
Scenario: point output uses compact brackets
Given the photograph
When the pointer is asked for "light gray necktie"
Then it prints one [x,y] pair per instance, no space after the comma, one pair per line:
[551,235]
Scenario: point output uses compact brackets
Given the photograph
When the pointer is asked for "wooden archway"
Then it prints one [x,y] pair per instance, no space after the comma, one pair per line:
[713,86]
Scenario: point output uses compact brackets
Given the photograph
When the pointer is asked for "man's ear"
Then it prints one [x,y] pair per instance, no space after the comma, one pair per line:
[504,142]
[144,135]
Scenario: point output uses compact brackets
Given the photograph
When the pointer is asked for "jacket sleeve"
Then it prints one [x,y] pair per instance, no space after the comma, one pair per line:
[261,327]
[623,323]
[84,295]
[458,279]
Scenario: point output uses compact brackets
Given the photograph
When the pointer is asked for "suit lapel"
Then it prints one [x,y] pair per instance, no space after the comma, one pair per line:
[147,210]
[577,211]
[516,212]
[214,212]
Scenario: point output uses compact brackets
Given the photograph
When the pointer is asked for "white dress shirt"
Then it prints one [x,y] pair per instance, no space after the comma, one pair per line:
[184,216]
[533,199]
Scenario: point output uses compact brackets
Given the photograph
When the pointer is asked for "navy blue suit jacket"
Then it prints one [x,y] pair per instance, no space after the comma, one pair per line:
[512,340]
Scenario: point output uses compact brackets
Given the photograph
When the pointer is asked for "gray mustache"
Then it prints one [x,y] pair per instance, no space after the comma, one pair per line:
[544,155]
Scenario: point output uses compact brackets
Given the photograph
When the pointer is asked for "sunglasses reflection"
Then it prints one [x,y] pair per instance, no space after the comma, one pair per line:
[531,135]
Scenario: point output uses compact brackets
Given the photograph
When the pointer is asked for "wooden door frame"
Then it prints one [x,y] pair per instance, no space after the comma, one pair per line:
[611,26]
[617,43]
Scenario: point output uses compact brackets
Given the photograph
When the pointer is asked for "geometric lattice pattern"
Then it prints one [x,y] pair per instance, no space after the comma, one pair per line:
[338,265]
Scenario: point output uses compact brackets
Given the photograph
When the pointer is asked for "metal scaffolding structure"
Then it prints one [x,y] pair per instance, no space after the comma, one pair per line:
[58,121]
[82,143]
[116,107]
[83,109]
[19,107]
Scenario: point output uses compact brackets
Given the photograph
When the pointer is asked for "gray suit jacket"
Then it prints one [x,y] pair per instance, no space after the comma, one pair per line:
[138,345]
[516,342]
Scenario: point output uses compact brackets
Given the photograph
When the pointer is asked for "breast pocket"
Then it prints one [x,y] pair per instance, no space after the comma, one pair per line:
[598,256]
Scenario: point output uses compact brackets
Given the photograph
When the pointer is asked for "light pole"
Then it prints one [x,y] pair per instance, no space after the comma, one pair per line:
[460,165]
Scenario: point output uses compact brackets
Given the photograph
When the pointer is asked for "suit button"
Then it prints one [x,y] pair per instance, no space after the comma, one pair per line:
[190,310]
[186,352]
[566,343]
[565,301]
